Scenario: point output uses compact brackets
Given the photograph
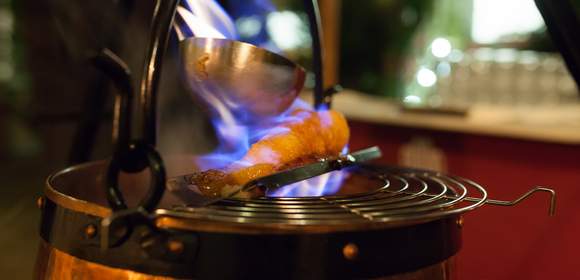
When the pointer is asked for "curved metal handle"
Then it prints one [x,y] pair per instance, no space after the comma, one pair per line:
[163,16]
[551,208]
[311,7]
[128,156]
[118,71]
[136,155]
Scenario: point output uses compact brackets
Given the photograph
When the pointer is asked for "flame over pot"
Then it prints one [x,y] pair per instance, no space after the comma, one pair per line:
[236,134]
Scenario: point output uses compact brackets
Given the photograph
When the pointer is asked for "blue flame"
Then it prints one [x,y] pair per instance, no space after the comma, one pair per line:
[235,136]
[255,11]
[325,184]
[211,13]
[235,140]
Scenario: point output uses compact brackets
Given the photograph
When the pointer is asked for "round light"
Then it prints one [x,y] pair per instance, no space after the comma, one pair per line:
[456,56]
[249,26]
[286,29]
[426,77]
[441,47]
[443,69]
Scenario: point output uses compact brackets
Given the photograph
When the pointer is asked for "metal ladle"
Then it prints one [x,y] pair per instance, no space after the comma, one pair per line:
[234,77]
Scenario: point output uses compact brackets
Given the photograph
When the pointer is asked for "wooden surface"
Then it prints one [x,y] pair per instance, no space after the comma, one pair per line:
[559,124]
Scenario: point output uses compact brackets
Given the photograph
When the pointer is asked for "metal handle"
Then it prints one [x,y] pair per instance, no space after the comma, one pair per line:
[496,202]
[118,71]
[127,153]
[136,155]
[320,99]
[551,207]
[160,29]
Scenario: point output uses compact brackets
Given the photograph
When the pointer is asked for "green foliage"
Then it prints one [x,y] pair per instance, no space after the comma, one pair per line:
[376,38]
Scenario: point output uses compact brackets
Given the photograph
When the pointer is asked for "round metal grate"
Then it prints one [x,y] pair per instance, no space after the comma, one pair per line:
[403,195]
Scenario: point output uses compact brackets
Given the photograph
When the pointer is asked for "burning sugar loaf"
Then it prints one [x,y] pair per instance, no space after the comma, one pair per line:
[261,127]
[299,136]
[250,94]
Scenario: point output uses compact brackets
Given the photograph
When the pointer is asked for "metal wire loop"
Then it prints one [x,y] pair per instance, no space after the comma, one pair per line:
[157,182]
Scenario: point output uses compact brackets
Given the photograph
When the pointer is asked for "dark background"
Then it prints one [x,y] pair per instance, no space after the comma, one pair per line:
[56,110]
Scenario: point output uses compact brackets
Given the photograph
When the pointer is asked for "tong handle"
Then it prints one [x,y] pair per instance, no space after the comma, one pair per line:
[297,174]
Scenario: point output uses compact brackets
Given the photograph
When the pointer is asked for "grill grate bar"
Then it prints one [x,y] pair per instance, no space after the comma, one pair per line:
[403,195]
[352,210]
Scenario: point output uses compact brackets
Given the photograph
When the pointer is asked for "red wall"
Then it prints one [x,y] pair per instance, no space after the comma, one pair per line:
[518,242]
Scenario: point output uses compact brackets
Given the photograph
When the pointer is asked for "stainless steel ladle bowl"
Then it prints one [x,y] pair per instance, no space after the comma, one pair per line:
[234,77]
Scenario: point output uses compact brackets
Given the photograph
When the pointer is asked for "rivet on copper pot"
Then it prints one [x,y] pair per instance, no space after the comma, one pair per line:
[90,231]
[350,251]
[175,246]
[40,202]
[460,222]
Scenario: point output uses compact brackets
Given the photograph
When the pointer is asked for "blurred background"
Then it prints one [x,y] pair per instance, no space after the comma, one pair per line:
[475,88]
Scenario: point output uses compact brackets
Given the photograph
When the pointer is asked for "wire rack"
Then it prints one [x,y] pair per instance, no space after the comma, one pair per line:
[403,195]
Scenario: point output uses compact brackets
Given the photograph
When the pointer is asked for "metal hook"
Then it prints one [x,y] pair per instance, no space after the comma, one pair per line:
[118,71]
[551,208]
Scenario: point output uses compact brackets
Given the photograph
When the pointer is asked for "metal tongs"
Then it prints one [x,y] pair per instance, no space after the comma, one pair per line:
[182,187]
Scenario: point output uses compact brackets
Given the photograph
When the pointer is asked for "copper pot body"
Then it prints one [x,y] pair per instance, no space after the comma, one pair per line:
[55,264]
